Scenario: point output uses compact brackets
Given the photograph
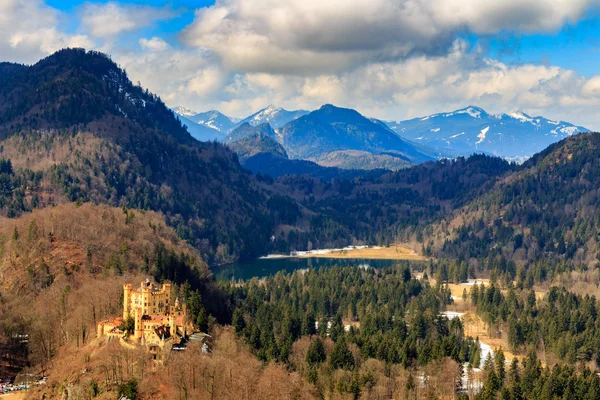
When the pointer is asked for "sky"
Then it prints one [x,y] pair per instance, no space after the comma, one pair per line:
[389,59]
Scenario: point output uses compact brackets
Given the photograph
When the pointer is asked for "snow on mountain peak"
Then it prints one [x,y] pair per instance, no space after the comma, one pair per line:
[521,116]
[186,112]
[267,113]
[474,112]
[514,134]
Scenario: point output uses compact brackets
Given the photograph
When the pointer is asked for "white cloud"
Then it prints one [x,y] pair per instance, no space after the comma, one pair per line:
[153,44]
[304,37]
[29,30]
[206,81]
[591,88]
[111,19]
[243,58]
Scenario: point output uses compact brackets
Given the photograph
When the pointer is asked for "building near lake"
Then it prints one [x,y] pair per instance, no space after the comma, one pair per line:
[159,322]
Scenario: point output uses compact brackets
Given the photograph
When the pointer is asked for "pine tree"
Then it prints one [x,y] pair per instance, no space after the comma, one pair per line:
[341,356]
[238,321]
[316,352]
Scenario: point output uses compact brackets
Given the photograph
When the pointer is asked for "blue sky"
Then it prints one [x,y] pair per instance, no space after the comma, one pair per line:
[537,56]
[574,47]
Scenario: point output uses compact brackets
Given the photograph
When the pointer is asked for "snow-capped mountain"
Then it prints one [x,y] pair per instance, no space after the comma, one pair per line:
[274,116]
[513,136]
[205,126]
[184,112]
[215,120]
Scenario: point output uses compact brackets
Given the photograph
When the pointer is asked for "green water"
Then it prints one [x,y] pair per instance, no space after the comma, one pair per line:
[267,267]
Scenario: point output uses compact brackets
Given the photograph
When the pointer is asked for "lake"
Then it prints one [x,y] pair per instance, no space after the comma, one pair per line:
[265,267]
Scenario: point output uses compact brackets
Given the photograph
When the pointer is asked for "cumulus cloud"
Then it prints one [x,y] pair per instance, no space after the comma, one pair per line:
[400,89]
[29,31]
[312,37]
[110,19]
[388,59]
[153,44]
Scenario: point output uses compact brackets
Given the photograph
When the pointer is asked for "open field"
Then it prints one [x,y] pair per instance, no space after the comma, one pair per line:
[457,289]
[394,252]
[476,328]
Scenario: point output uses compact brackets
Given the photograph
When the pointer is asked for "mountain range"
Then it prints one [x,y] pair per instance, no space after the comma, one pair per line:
[514,136]
[330,136]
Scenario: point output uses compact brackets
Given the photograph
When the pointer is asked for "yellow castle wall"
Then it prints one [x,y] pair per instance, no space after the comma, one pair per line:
[150,301]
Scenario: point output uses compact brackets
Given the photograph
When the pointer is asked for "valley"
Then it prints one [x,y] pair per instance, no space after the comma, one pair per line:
[317,254]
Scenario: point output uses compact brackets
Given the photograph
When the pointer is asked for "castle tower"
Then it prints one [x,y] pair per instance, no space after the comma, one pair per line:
[126,300]
[139,328]
[172,325]
[146,296]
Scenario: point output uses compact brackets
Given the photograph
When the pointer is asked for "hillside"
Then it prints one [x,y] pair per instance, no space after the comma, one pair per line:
[357,159]
[70,262]
[543,210]
[272,165]
[383,207]
[124,147]
[247,141]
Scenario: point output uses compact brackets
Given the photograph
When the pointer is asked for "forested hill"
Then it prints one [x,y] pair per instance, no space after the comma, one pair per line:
[76,129]
[73,128]
[73,87]
[548,208]
[383,208]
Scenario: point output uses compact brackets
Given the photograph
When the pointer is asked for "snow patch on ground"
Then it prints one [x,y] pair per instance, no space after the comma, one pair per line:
[315,252]
[452,314]
[472,282]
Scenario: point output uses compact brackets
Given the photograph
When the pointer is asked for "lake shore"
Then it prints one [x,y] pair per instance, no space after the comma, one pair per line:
[394,252]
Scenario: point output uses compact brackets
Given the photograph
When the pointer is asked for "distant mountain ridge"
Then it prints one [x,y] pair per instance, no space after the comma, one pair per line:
[334,136]
[258,150]
[332,128]
[214,119]
[274,116]
[471,129]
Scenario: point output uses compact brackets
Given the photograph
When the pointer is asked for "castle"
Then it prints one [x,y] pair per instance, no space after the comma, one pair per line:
[159,322]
